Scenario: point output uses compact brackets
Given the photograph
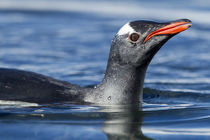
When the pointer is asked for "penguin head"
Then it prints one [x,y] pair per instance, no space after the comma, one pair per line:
[138,41]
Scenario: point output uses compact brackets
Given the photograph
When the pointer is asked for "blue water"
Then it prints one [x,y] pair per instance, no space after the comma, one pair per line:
[69,40]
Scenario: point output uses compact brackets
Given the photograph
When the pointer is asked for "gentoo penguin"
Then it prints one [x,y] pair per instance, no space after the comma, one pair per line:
[132,49]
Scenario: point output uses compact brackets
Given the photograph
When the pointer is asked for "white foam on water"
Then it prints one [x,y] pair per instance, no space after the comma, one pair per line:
[177,131]
[4,103]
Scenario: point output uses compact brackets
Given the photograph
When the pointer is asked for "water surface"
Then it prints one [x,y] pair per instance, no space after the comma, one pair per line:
[69,40]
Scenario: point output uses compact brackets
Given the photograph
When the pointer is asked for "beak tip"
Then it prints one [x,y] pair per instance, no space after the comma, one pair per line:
[184,20]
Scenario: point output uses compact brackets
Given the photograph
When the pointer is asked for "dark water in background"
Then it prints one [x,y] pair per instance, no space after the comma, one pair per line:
[70,40]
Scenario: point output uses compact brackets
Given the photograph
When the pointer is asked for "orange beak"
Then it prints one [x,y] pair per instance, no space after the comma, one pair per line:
[172,28]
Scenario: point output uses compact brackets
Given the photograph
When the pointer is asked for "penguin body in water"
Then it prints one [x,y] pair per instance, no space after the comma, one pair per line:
[132,49]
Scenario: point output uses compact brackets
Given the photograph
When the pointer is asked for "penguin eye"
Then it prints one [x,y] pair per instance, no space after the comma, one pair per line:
[134,37]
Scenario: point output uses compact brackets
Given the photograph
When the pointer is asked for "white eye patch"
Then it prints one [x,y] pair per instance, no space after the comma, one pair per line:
[126,29]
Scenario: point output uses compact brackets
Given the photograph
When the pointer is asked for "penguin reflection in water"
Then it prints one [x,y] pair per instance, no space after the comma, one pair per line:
[132,49]
[124,123]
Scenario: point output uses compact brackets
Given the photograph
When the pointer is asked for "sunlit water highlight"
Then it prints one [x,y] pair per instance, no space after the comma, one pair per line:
[69,40]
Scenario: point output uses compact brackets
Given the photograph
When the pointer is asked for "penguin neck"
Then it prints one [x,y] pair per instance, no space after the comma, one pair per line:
[122,84]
